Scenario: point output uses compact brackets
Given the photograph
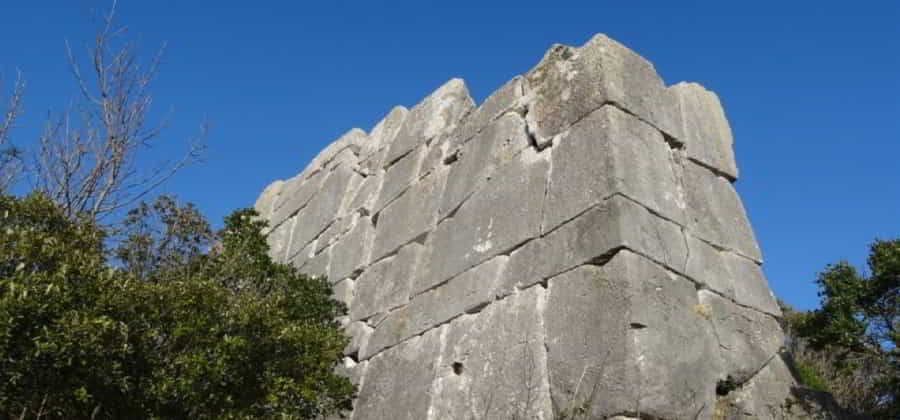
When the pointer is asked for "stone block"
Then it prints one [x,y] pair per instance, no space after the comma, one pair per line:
[715,213]
[494,363]
[502,214]
[386,284]
[399,176]
[295,194]
[647,351]
[359,334]
[706,133]
[398,382]
[438,113]
[409,216]
[352,251]
[323,209]
[607,152]
[510,98]
[265,204]
[570,83]
[382,135]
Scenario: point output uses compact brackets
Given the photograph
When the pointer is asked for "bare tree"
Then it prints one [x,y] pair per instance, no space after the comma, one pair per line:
[88,158]
[10,155]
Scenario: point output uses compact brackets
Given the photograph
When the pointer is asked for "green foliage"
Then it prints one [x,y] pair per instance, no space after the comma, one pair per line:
[171,332]
[810,377]
[857,328]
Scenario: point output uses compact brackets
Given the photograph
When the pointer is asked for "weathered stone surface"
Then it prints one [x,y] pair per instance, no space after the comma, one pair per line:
[502,214]
[386,285]
[648,351]
[399,176]
[465,293]
[609,152]
[412,214]
[478,159]
[570,83]
[321,211]
[382,135]
[747,339]
[510,98]
[706,133]
[438,113]
[571,248]
[494,363]
[730,275]
[352,251]
[401,389]
[715,212]
[616,223]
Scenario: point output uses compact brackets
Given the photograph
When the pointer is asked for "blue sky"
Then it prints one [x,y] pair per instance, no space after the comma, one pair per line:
[811,89]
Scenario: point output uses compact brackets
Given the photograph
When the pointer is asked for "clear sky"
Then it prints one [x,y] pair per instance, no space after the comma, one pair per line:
[811,89]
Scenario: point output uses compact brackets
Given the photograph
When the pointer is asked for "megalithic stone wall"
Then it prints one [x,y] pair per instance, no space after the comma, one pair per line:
[571,247]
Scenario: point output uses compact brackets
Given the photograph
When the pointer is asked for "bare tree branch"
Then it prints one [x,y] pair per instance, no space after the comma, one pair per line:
[89,158]
[10,155]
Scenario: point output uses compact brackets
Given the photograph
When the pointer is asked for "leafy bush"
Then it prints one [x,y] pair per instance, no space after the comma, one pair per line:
[171,331]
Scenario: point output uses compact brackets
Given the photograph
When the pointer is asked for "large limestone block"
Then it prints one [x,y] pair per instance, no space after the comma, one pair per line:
[707,135]
[503,213]
[467,292]
[438,113]
[408,217]
[607,152]
[359,334]
[494,363]
[386,284]
[510,98]
[477,160]
[570,83]
[295,194]
[748,339]
[646,351]
[715,212]
[318,264]
[352,251]
[399,176]
[323,209]
[591,237]
[382,135]
[265,204]
[345,148]
[730,275]
[398,382]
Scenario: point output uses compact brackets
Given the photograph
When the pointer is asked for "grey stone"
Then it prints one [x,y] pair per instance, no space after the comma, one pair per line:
[265,204]
[398,381]
[608,152]
[295,194]
[748,339]
[317,265]
[647,351]
[570,83]
[352,251]
[494,363]
[477,160]
[363,200]
[617,223]
[409,216]
[706,133]
[399,176]
[359,334]
[301,258]
[323,209]
[502,214]
[382,135]
[715,213]
[386,284]
[510,98]
[438,113]
[465,293]
[343,292]
[349,142]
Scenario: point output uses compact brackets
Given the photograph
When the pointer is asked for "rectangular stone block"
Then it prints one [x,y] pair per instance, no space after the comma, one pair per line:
[352,251]
[386,284]
[398,382]
[591,237]
[715,213]
[509,99]
[399,176]
[295,195]
[265,203]
[409,216]
[570,83]
[607,152]
[503,213]
[323,209]
[438,113]
[382,135]
[494,363]
[706,133]
[625,338]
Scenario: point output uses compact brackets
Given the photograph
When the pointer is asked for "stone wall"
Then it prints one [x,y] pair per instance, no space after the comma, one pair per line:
[571,248]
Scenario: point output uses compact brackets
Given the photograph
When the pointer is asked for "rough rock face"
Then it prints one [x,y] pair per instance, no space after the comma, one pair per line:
[571,248]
